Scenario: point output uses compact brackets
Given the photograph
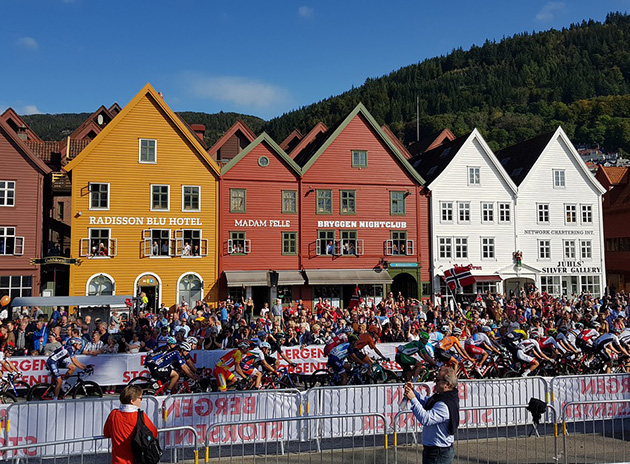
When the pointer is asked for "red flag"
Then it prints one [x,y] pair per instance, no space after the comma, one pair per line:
[355,299]
[458,277]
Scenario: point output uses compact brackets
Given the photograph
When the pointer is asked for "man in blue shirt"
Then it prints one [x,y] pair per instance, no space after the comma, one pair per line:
[439,415]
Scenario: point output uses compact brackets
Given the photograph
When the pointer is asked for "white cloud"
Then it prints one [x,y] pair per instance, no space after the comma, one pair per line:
[238,90]
[30,109]
[28,42]
[306,11]
[547,12]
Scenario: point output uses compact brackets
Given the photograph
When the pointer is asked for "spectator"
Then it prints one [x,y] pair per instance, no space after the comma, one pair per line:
[94,347]
[51,345]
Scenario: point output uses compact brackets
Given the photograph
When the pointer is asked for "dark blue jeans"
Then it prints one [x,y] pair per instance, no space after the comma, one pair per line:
[437,455]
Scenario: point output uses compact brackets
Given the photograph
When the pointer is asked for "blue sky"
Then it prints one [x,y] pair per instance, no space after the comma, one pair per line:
[252,57]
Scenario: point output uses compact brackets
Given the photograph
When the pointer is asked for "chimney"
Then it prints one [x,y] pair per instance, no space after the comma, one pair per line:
[199,130]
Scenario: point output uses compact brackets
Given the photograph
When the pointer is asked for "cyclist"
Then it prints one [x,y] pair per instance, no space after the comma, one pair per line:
[276,347]
[229,363]
[252,359]
[478,345]
[531,347]
[338,355]
[368,339]
[512,342]
[566,341]
[192,341]
[65,357]
[609,343]
[7,366]
[405,355]
[449,346]
[165,365]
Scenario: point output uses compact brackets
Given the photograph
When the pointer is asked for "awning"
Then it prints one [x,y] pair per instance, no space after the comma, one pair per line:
[247,278]
[488,278]
[348,276]
[109,300]
[290,278]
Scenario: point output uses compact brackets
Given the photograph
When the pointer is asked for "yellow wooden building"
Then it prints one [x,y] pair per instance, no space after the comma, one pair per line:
[144,209]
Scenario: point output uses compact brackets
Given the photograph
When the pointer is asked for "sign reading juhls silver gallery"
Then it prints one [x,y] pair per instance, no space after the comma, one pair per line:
[570,267]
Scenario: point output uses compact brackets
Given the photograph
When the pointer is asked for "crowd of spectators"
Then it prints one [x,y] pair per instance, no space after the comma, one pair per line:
[399,319]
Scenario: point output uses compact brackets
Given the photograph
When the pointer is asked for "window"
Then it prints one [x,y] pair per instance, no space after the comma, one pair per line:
[289,243]
[445,247]
[263,161]
[238,243]
[349,243]
[148,151]
[324,201]
[190,289]
[238,201]
[590,284]
[544,249]
[157,242]
[505,212]
[569,249]
[190,243]
[463,211]
[397,203]
[461,247]
[398,243]
[289,201]
[487,212]
[587,214]
[485,287]
[558,178]
[347,199]
[99,196]
[99,243]
[191,197]
[359,159]
[325,242]
[550,285]
[100,285]
[446,208]
[543,213]
[586,249]
[10,245]
[160,197]
[570,214]
[15,286]
[60,210]
[7,193]
[487,248]
[474,176]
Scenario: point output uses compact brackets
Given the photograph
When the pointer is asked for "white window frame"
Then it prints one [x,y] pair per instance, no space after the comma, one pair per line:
[140,151]
[590,284]
[551,284]
[112,244]
[586,249]
[204,243]
[570,208]
[460,247]
[569,249]
[168,201]
[559,178]
[4,192]
[445,247]
[491,247]
[474,176]
[18,242]
[544,249]
[109,191]
[446,207]
[485,210]
[504,208]
[544,209]
[147,239]
[463,207]
[184,210]
[588,211]
[100,274]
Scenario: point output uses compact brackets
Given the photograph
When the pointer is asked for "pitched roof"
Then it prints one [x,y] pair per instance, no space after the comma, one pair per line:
[319,128]
[91,122]
[519,159]
[24,150]
[291,141]
[236,127]
[615,175]
[16,123]
[431,141]
[401,147]
[147,91]
[431,163]
[272,144]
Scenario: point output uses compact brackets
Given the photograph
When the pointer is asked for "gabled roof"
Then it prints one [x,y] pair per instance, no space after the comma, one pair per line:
[147,91]
[291,141]
[323,140]
[615,175]
[519,159]
[272,144]
[236,127]
[432,163]
[12,118]
[91,123]
[317,130]
[114,109]
[396,141]
[24,150]
[430,142]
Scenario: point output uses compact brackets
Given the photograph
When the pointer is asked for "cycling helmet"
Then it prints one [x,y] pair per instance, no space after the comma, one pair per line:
[510,336]
[171,341]
[486,329]
[75,341]
[445,329]
[185,346]
[265,345]
[255,341]
[534,334]
[373,329]
[244,345]
[192,340]
[595,325]
[347,329]
[280,336]
[9,349]
[352,338]
[262,334]
[579,325]
[615,330]
[457,331]
[424,336]
[564,328]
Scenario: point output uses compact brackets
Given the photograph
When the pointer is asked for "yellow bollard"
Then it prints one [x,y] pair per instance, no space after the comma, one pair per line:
[7,424]
[555,430]
[385,441]
[196,456]
[207,453]
[564,428]
[395,439]
[300,410]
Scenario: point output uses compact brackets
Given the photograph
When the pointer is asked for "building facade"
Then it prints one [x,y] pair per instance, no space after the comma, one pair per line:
[144,209]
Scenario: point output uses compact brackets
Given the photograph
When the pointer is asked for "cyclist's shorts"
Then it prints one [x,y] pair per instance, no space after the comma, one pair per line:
[271,360]
[474,350]
[408,363]
[444,356]
[223,376]
[361,355]
[521,355]
[53,367]
[335,364]
[603,353]
[160,373]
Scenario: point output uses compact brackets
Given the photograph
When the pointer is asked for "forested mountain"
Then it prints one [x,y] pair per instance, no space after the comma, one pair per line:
[578,77]
[510,90]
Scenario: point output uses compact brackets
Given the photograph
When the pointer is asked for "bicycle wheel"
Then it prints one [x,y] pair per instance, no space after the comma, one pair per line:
[40,391]
[22,389]
[393,377]
[87,389]
[7,398]
[143,382]
[320,378]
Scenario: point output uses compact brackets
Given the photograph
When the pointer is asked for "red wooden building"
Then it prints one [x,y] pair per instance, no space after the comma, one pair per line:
[22,182]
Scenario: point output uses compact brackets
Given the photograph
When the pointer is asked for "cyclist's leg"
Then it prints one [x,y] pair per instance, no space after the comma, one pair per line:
[174,378]
[55,375]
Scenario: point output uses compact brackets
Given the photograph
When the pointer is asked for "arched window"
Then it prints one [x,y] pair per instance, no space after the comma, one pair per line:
[100,285]
[190,289]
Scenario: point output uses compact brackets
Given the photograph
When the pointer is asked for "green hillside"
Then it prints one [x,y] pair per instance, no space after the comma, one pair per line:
[578,77]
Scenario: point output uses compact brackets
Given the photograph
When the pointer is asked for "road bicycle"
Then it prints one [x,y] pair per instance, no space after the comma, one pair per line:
[80,389]
[157,387]
[12,390]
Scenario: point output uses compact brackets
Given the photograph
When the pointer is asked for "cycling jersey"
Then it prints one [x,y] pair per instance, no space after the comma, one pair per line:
[365,340]
[479,339]
[340,351]
[606,339]
[61,354]
[411,348]
[230,359]
[448,343]
[168,358]
[251,359]
[624,337]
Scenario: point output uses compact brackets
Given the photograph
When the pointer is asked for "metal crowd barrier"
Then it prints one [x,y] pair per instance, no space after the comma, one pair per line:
[99,451]
[596,431]
[487,434]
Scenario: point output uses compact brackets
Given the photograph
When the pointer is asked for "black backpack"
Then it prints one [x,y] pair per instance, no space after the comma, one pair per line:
[146,449]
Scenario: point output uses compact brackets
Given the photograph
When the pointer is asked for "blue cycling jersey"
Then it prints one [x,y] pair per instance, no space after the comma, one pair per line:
[61,353]
[168,358]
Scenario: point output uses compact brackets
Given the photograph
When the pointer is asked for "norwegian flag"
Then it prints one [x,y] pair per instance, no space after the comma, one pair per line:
[355,299]
[458,276]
